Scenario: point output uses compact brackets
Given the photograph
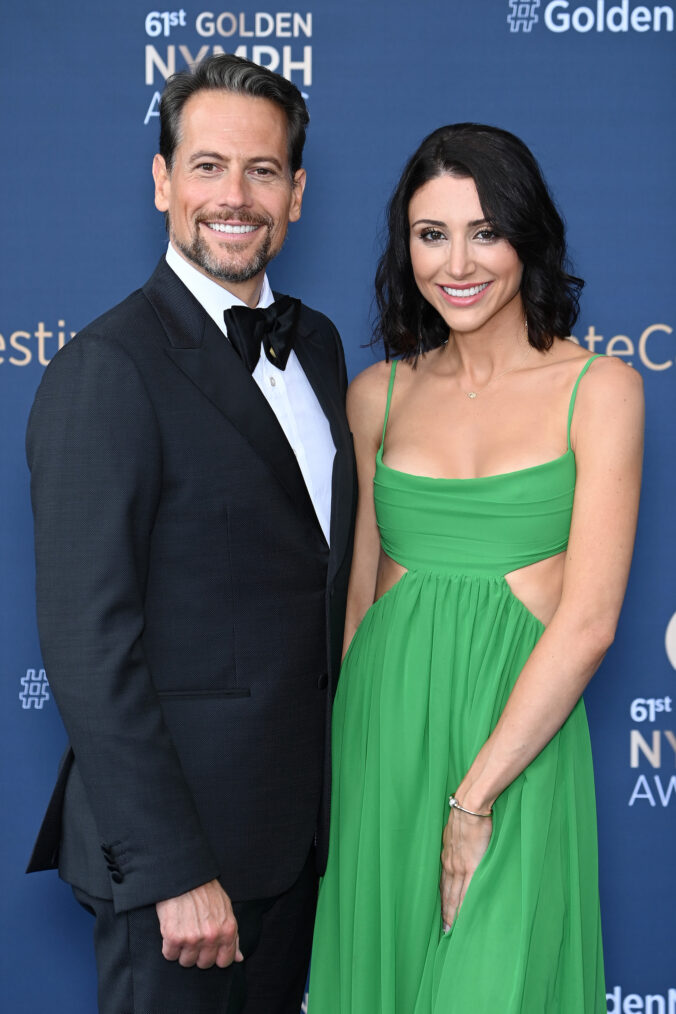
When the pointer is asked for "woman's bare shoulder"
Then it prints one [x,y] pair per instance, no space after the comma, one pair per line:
[369,388]
[366,400]
[605,374]
[372,379]
[609,381]
[609,398]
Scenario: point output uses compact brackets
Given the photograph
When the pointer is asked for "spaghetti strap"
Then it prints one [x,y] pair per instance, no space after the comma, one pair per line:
[393,370]
[574,394]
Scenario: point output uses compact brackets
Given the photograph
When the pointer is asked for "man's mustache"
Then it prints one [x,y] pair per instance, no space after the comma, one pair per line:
[233,214]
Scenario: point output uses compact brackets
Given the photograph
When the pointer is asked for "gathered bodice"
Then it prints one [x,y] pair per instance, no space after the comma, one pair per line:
[486,526]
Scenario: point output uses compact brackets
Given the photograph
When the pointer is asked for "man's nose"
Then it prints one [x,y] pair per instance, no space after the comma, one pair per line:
[235,189]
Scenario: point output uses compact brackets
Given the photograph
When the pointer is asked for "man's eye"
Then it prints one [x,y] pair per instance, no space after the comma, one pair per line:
[207,167]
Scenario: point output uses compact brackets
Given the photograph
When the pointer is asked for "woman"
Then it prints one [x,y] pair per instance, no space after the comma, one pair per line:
[499,468]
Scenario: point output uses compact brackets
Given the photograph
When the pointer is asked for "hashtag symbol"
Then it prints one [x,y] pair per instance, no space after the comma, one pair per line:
[523,15]
[35,691]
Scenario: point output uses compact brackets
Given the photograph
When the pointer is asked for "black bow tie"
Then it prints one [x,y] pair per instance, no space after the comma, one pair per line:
[275,326]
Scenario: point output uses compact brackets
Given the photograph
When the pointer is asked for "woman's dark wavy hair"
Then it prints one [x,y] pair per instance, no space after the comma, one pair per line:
[518,206]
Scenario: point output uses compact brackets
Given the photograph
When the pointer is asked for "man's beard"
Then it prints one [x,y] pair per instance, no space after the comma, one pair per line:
[199,252]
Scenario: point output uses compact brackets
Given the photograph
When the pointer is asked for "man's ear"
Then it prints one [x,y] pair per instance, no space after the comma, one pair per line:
[162,183]
[298,185]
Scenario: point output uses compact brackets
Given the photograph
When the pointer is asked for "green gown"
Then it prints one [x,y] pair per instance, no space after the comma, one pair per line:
[423,684]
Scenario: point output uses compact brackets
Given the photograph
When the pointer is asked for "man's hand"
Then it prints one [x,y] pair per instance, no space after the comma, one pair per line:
[199,928]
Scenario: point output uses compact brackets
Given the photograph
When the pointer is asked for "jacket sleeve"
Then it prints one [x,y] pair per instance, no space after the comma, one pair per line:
[95,455]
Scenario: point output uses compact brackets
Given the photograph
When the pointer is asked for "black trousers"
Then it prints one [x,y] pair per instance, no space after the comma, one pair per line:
[275,938]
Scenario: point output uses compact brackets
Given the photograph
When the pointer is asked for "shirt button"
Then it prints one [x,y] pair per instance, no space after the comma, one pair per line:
[273,382]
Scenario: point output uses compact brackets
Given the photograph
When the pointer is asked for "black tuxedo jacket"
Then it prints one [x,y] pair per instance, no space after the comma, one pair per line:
[189,608]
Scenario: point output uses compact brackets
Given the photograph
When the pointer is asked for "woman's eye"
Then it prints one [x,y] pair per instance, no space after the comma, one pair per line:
[431,235]
[487,235]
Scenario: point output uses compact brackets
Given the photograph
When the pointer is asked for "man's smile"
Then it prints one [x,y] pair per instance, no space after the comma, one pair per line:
[230,228]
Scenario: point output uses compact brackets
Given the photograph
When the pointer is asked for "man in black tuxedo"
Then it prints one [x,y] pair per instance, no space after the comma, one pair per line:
[193,491]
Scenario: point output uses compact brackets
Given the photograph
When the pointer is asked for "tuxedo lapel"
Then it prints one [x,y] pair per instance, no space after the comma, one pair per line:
[311,349]
[201,351]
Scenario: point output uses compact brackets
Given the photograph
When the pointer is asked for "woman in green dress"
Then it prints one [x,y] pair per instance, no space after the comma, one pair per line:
[499,469]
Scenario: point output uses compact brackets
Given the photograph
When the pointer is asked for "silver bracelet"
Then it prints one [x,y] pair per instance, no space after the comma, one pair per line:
[455,805]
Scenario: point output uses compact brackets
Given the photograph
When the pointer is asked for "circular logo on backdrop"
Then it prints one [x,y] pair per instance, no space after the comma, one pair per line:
[670,640]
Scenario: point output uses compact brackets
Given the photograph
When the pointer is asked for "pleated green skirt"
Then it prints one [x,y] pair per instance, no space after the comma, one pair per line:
[422,686]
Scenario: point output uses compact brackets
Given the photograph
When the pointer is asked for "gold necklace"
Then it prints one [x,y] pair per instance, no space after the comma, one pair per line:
[510,369]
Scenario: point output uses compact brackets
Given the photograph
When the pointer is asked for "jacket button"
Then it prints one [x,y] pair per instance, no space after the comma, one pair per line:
[323,681]
[116,877]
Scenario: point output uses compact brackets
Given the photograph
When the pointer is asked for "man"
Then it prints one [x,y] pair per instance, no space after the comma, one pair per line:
[186,489]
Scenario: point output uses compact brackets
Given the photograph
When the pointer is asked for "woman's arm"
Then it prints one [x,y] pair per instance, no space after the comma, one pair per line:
[608,442]
[366,398]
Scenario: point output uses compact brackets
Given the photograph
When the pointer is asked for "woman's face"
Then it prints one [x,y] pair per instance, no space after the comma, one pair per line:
[461,267]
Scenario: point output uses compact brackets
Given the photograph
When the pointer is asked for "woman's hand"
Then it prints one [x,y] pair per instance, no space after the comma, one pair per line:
[465,841]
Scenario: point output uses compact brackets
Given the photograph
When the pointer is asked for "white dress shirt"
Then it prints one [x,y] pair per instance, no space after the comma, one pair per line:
[288,392]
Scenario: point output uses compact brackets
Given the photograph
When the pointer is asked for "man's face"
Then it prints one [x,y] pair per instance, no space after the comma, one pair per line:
[229,193]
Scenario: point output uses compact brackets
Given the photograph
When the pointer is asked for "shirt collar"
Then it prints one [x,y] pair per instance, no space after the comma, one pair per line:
[212,296]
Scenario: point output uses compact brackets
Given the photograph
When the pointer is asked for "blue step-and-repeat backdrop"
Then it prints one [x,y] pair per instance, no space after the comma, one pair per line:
[590,87]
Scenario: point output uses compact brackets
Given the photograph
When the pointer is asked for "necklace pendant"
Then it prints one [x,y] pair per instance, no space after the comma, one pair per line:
[471,394]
